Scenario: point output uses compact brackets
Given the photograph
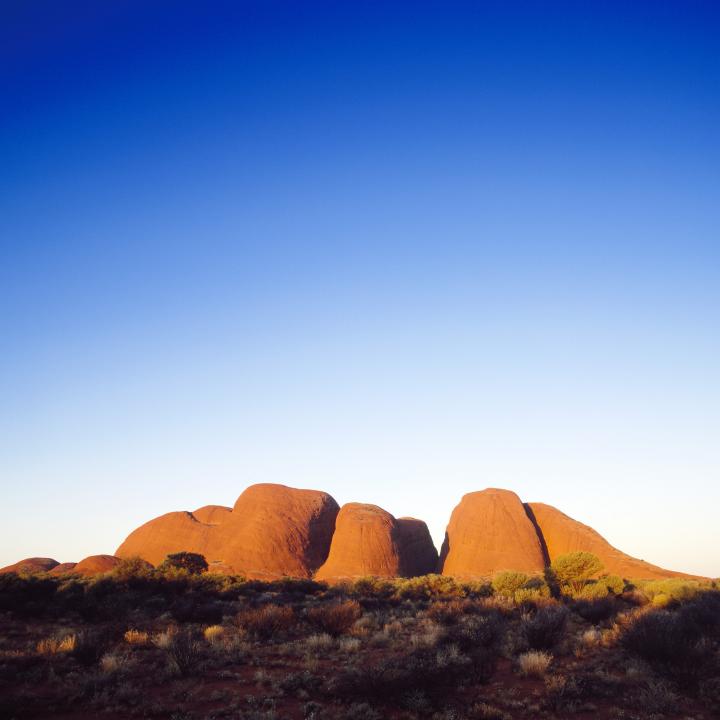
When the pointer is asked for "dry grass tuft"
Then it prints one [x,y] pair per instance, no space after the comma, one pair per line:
[57,646]
[137,637]
[534,663]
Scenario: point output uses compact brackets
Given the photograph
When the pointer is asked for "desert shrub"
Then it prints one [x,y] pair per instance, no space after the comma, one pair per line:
[56,645]
[506,584]
[26,595]
[182,650]
[89,647]
[703,611]
[596,611]
[136,637]
[132,569]
[213,633]
[544,628]
[447,612]
[573,570]
[483,711]
[483,631]
[663,592]
[196,610]
[113,663]
[593,590]
[614,583]
[335,618]
[192,563]
[429,586]
[267,622]
[670,642]
[534,663]
[393,680]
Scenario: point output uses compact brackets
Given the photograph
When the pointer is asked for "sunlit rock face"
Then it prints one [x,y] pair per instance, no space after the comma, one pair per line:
[369,541]
[561,535]
[272,531]
[489,531]
[31,565]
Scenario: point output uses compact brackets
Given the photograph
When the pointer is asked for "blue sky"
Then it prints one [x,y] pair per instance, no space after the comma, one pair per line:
[395,251]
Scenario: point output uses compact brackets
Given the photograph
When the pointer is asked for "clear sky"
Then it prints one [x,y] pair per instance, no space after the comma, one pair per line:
[395,251]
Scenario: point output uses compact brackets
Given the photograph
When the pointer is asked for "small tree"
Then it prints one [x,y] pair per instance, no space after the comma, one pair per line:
[193,563]
[575,569]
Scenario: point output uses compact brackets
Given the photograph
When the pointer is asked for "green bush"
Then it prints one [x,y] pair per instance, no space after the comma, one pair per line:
[614,583]
[192,563]
[506,584]
[575,569]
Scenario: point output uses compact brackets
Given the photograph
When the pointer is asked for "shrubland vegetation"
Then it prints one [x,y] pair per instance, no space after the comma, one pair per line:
[177,642]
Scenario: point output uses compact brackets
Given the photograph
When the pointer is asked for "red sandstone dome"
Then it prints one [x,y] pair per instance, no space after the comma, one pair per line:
[31,565]
[96,564]
[489,531]
[170,533]
[563,535]
[212,514]
[63,568]
[365,542]
[275,530]
[272,531]
[418,554]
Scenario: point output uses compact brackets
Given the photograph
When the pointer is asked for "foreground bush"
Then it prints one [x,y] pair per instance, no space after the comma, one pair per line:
[672,643]
[335,618]
[544,629]
[267,622]
[534,663]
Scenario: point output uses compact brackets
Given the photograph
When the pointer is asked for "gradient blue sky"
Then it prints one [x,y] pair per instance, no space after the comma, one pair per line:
[395,251]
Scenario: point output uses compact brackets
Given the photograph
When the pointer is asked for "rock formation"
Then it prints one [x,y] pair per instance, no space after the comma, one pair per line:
[31,565]
[418,555]
[564,535]
[169,533]
[370,541]
[212,514]
[275,530]
[272,530]
[489,531]
[96,564]
[63,568]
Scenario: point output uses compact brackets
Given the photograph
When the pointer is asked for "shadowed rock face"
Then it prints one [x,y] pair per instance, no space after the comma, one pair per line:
[272,530]
[418,555]
[489,531]
[31,565]
[564,535]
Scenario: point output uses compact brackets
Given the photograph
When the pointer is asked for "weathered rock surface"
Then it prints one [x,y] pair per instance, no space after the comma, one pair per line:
[169,533]
[370,541]
[96,564]
[364,543]
[31,565]
[276,530]
[564,535]
[489,531]
[63,568]
[212,514]
[418,555]
[272,531]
